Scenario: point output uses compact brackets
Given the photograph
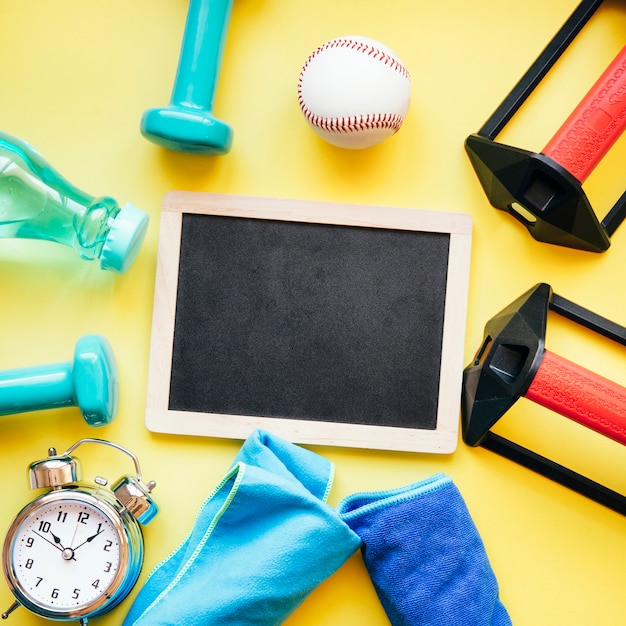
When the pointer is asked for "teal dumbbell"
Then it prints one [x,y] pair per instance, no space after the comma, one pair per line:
[89,382]
[188,123]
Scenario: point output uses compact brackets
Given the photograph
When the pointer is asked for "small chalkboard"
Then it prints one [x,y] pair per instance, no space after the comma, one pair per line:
[324,323]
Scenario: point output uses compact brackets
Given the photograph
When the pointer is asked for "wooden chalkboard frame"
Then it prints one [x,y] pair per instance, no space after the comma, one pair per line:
[442,439]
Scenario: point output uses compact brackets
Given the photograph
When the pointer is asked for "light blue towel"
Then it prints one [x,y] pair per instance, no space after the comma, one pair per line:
[425,556]
[262,541]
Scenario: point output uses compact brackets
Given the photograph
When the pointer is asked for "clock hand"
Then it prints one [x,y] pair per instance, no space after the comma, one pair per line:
[88,540]
[48,540]
[57,540]
[74,535]
[68,553]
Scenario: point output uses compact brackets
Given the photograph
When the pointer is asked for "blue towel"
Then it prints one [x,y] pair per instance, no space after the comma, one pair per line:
[425,556]
[262,541]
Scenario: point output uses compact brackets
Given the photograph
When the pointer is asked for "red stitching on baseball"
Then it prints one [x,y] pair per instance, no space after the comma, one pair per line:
[356,123]
[360,46]
[392,121]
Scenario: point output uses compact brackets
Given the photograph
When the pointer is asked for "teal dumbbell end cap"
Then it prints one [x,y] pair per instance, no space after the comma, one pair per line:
[188,123]
[89,381]
[95,378]
[185,129]
[124,240]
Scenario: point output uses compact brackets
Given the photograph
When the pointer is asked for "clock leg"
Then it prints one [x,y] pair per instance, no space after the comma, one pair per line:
[10,610]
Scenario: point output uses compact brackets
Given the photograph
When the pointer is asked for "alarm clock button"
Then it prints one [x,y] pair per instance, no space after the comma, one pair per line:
[135,496]
[54,472]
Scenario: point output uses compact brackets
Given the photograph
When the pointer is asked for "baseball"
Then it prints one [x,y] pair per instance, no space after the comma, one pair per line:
[354,92]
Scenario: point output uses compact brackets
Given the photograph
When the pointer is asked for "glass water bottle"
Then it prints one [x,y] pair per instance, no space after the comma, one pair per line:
[37,203]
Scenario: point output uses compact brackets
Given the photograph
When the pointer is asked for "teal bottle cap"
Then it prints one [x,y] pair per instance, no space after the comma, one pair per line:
[124,239]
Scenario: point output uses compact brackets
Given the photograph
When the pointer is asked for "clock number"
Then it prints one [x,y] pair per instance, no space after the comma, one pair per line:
[62,516]
[83,517]
[29,542]
[107,545]
[55,593]
[44,527]
[96,583]
[108,566]
[29,564]
[39,579]
[75,594]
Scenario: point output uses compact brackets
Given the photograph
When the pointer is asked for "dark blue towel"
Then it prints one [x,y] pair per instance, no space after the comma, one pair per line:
[425,556]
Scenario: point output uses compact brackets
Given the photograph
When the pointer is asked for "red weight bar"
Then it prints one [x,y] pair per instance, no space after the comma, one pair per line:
[594,125]
[581,395]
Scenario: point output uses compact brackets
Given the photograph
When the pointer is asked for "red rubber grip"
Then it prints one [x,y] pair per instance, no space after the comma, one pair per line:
[594,125]
[581,395]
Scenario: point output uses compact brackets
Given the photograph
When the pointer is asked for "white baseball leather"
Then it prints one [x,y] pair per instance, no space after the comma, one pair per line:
[354,92]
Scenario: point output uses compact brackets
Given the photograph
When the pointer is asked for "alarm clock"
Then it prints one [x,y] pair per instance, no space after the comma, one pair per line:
[76,551]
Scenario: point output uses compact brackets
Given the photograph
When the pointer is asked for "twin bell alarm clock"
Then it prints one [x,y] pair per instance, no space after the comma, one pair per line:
[76,551]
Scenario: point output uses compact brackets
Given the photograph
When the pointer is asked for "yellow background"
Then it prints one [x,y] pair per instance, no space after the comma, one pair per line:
[76,76]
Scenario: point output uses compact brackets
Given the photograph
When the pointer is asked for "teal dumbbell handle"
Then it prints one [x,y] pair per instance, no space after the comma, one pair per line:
[89,382]
[188,123]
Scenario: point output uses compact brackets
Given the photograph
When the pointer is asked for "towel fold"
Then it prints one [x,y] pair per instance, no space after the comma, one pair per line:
[424,555]
[262,541]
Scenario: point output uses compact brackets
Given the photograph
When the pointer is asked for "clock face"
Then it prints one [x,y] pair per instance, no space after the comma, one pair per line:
[67,554]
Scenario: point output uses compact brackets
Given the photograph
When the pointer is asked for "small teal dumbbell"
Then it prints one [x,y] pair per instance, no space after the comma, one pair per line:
[89,382]
[188,123]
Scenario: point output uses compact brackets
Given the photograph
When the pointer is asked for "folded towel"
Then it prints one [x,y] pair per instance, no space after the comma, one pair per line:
[425,556]
[262,541]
